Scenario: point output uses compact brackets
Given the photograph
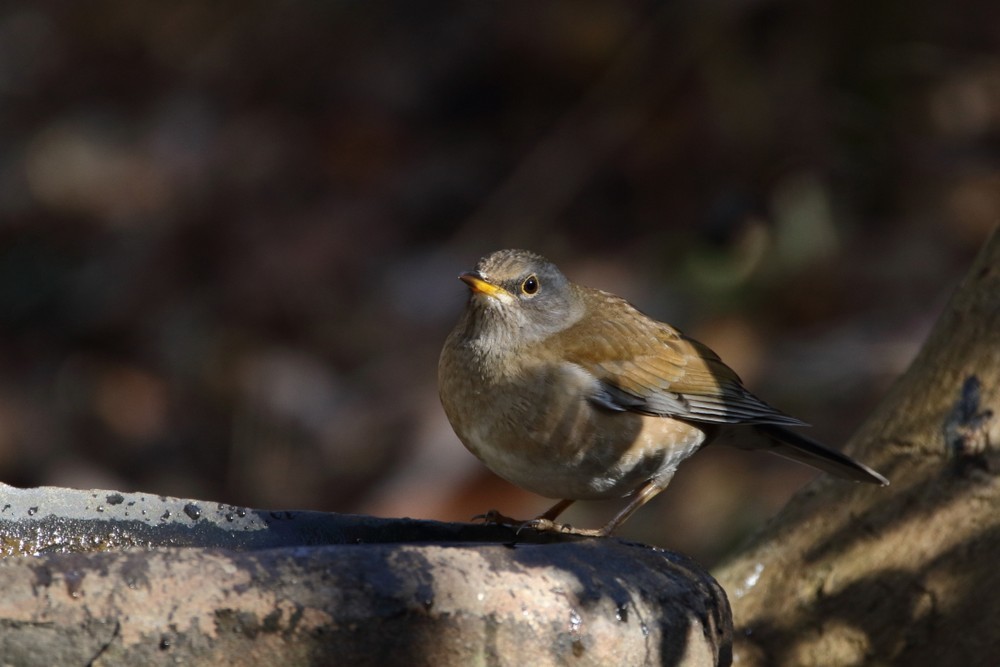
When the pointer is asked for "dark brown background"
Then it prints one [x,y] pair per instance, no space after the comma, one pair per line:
[229,232]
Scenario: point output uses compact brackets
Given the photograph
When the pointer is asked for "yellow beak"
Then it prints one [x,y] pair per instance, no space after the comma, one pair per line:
[480,286]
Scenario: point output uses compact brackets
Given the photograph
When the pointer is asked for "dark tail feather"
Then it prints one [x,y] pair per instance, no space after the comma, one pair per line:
[799,448]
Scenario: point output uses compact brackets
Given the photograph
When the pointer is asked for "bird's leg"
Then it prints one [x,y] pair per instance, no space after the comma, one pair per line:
[553,512]
[547,520]
[646,493]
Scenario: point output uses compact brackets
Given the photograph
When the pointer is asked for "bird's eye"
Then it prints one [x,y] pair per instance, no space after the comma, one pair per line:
[530,285]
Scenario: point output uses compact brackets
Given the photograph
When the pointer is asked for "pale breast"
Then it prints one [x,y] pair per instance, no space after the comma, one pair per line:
[539,431]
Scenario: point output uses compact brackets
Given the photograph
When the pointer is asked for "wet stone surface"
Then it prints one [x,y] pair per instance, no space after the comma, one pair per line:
[113,578]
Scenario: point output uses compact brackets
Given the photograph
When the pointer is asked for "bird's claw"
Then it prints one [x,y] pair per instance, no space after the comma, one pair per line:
[544,525]
[540,524]
[495,518]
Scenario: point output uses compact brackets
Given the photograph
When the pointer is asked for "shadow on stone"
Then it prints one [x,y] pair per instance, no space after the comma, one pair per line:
[110,578]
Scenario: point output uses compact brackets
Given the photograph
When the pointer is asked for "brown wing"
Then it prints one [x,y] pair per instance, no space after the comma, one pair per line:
[649,367]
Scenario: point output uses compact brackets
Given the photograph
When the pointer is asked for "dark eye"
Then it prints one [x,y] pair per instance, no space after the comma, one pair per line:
[530,285]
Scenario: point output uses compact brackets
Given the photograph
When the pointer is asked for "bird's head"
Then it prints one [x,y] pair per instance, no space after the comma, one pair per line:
[521,295]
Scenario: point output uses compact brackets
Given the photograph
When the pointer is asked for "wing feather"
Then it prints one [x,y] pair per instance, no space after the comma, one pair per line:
[649,367]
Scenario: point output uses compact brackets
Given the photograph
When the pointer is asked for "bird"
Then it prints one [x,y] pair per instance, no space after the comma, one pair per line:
[573,393]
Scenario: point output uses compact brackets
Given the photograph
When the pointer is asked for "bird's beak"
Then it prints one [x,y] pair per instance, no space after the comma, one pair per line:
[479,285]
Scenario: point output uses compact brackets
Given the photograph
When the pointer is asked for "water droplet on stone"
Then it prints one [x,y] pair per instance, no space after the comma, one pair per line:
[574,621]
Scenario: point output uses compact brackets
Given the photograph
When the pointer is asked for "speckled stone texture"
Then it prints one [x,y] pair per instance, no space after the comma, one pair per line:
[109,578]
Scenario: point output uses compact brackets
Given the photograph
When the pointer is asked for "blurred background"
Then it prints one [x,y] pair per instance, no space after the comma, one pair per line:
[230,231]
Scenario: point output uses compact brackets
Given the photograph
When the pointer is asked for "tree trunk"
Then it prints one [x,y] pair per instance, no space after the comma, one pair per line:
[907,574]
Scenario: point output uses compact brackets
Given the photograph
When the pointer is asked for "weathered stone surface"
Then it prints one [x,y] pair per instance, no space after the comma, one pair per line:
[108,578]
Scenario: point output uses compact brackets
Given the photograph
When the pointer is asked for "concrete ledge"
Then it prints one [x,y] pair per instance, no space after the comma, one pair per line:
[138,580]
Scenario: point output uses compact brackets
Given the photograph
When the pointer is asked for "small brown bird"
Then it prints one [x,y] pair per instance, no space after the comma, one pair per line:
[572,393]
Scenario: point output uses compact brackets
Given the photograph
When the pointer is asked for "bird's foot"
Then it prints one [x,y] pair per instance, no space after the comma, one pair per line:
[542,524]
[495,518]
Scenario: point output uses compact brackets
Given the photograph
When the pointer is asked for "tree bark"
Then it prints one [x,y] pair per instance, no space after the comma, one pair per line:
[907,574]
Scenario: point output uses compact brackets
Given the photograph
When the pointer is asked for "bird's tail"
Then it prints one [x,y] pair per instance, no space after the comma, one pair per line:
[798,447]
